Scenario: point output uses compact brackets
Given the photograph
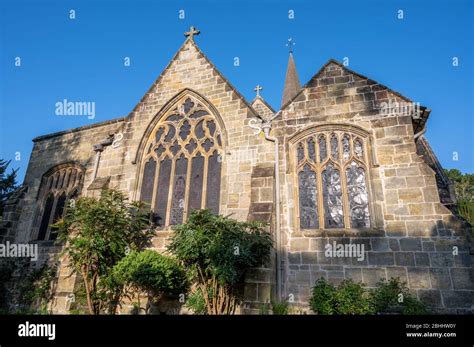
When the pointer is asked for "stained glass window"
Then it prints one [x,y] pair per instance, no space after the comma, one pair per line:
[57,185]
[308,198]
[346,147]
[189,163]
[332,198]
[343,201]
[322,148]
[358,149]
[334,147]
[311,149]
[358,197]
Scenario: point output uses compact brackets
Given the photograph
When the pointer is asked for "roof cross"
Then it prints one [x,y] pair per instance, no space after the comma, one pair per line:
[192,31]
[258,88]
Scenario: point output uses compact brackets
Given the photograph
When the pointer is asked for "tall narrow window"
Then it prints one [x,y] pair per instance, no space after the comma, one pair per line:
[59,185]
[186,145]
[332,188]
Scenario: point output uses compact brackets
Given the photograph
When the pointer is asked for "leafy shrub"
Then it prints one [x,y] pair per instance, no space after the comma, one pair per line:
[150,272]
[393,296]
[321,302]
[196,302]
[352,298]
[218,251]
[280,308]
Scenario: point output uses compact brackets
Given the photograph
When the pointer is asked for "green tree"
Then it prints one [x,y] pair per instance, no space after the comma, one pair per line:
[7,183]
[97,234]
[464,190]
[148,271]
[218,251]
[463,184]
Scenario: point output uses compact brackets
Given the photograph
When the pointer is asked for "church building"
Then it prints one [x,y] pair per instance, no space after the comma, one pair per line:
[343,161]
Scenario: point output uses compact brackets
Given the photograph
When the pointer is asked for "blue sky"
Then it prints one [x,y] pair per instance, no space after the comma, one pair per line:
[83,59]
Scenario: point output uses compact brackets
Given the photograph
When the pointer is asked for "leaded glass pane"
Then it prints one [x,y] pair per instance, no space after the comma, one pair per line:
[358,148]
[148,180]
[161,202]
[188,105]
[300,152]
[213,182]
[358,197]
[185,130]
[195,186]
[207,145]
[323,153]
[58,214]
[48,207]
[308,197]
[158,134]
[332,198]
[334,147]
[170,135]
[346,147]
[198,114]
[311,149]
[199,130]
[72,180]
[179,191]
[211,126]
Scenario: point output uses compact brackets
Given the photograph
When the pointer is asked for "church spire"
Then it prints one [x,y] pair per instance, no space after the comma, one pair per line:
[292,82]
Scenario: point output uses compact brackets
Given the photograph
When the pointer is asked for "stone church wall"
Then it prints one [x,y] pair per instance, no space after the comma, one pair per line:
[413,236]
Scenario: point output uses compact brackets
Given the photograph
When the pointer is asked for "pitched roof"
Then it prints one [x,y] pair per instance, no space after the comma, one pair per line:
[262,107]
[418,123]
[189,40]
[292,82]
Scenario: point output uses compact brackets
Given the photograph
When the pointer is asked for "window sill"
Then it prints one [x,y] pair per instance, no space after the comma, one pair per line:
[339,233]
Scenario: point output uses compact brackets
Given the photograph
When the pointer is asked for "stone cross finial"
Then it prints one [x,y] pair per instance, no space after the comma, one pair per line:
[290,44]
[192,31]
[258,88]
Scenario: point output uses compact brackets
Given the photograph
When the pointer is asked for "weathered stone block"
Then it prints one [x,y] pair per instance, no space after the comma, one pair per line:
[418,278]
[458,298]
[397,272]
[440,278]
[410,195]
[299,244]
[309,257]
[422,259]
[405,259]
[410,244]
[394,245]
[381,258]
[354,274]
[463,278]
[441,259]
[294,258]
[430,297]
[379,244]
[372,276]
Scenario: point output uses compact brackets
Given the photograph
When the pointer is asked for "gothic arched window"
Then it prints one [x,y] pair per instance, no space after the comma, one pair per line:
[332,187]
[58,186]
[181,167]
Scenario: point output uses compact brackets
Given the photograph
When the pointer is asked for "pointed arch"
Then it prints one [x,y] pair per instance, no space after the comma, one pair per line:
[167,107]
[331,173]
[58,184]
[179,159]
